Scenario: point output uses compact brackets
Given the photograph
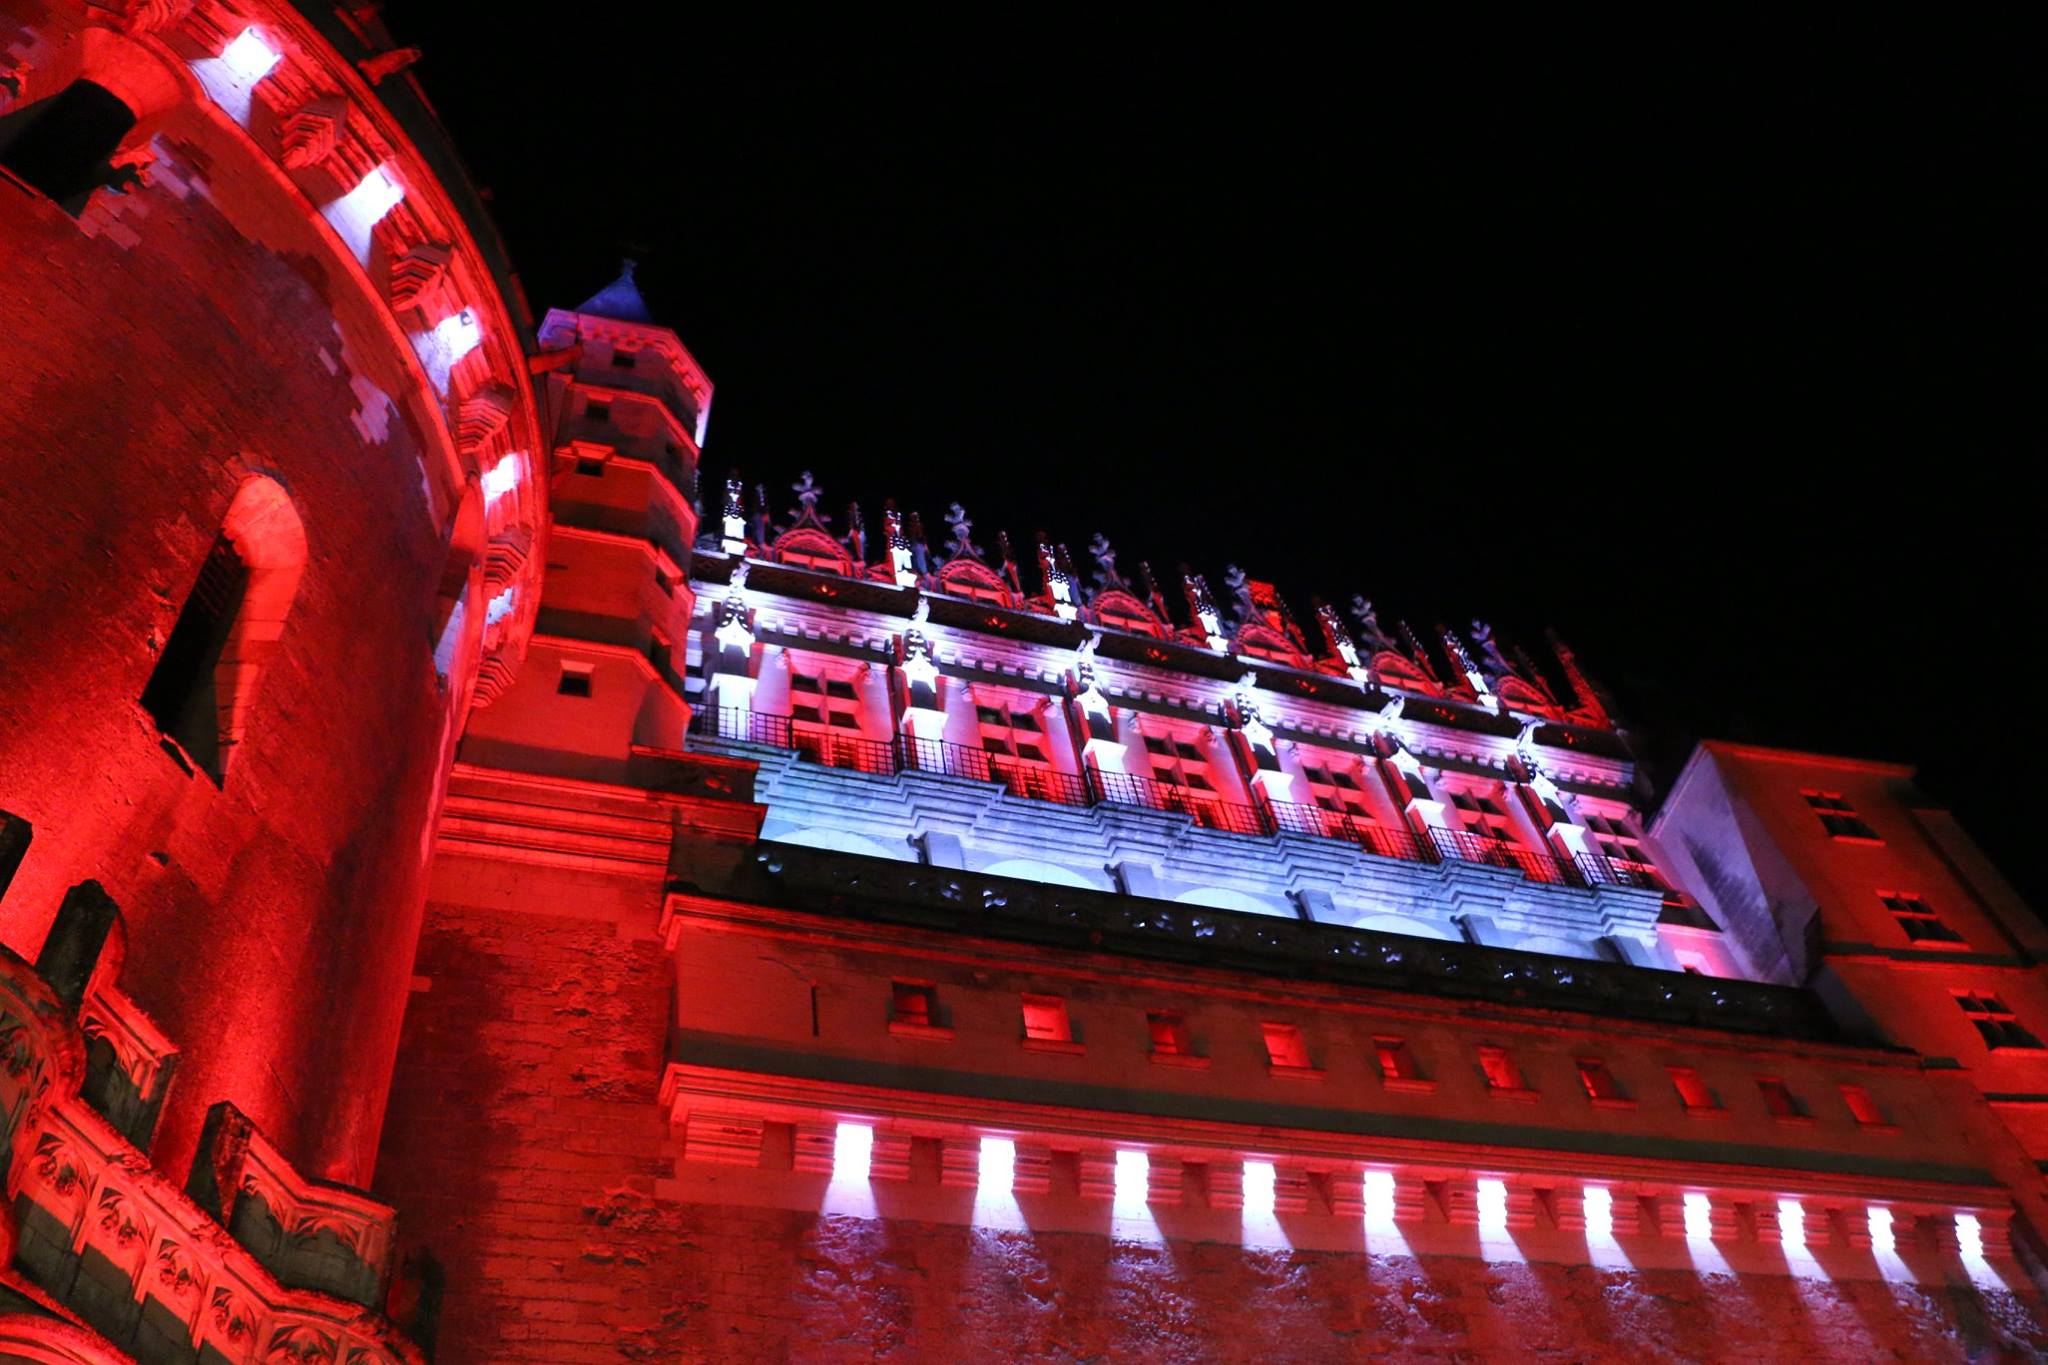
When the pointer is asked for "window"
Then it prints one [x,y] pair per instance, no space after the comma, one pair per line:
[914,1011]
[624,359]
[1619,843]
[1334,788]
[1011,730]
[1414,783]
[1398,1069]
[1483,816]
[62,146]
[1838,817]
[204,682]
[1995,1023]
[575,680]
[1502,1075]
[14,837]
[1863,1107]
[1695,1094]
[1778,1099]
[593,468]
[1169,1033]
[182,695]
[598,411]
[1046,1026]
[1601,1087]
[1179,762]
[1285,1048]
[818,699]
[1917,919]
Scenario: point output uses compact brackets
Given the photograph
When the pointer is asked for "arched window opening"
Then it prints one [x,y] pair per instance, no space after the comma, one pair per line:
[200,690]
[62,147]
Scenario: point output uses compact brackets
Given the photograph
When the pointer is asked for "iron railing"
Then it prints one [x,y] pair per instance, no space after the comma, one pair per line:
[828,747]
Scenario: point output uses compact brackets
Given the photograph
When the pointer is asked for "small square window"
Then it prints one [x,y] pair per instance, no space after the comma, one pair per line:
[1779,1100]
[1169,1032]
[1601,1087]
[575,681]
[591,468]
[1171,1045]
[1284,1046]
[1695,1094]
[914,1003]
[1398,1068]
[1395,1061]
[624,360]
[1500,1069]
[1863,1107]
[598,412]
[1045,1019]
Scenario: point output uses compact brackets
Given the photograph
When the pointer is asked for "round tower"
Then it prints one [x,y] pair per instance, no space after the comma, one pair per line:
[273,531]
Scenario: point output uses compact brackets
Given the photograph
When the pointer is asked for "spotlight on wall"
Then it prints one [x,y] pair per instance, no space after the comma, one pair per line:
[1493,1205]
[501,478]
[853,1150]
[1379,1198]
[249,58]
[1699,1218]
[1599,1212]
[998,1173]
[1792,1224]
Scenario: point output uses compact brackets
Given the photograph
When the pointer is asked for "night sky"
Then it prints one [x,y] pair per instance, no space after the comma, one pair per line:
[1712,351]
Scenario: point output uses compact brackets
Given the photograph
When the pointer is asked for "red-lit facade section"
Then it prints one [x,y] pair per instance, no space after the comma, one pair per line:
[469,892]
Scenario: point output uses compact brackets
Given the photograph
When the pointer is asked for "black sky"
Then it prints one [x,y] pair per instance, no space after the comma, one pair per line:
[1717,351]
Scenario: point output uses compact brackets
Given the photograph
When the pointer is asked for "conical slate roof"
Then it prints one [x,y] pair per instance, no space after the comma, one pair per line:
[620,300]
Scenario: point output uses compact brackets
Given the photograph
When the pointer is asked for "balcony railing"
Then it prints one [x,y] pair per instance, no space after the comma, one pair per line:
[824,745]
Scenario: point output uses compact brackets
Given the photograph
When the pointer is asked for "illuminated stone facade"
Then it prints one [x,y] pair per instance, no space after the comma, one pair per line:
[828,943]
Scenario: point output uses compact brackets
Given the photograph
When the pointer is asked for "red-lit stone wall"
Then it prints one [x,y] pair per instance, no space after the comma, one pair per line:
[529,1153]
[191,337]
